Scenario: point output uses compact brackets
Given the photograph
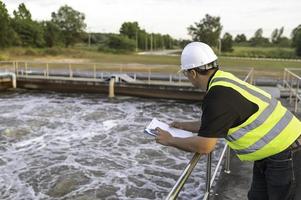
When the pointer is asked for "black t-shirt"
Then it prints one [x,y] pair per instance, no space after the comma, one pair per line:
[224,108]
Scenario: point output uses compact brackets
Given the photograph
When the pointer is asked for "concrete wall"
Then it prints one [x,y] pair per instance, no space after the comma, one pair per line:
[141,90]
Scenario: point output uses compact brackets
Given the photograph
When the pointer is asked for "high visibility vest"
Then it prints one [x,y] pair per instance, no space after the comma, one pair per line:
[268,131]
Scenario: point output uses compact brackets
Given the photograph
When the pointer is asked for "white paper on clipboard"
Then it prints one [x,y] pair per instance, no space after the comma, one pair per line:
[173,131]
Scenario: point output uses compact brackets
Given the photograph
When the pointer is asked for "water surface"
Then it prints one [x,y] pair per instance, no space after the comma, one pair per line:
[83,146]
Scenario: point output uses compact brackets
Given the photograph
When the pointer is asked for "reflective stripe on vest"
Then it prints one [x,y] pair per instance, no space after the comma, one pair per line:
[261,118]
[256,137]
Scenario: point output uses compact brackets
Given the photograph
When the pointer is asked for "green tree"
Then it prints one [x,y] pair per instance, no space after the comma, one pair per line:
[6,32]
[258,33]
[168,41]
[130,29]
[227,43]
[208,30]
[30,32]
[71,24]
[296,40]
[258,39]
[183,43]
[278,40]
[120,42]
[51,33]
[276,34]
[240,38]
[142,40]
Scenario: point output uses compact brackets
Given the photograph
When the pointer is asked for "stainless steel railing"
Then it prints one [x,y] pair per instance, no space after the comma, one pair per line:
[99,71]
[173,194]
[7,66]
[292,81]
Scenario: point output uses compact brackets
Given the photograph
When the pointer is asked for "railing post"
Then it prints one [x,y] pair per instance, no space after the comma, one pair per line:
[252,77]
[227,164]
[47,69]
[284,77]
[291,89]
[296,96]
[208,176]
[94,71]
[70,71]
[149,75]
[26,69]
[15,66]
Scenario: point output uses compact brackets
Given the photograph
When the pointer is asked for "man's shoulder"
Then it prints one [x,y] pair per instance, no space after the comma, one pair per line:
[218,92]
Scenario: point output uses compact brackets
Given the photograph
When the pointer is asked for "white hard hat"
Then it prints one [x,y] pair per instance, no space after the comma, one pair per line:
[196,54]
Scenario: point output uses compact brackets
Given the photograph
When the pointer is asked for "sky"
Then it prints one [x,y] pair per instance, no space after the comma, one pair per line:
[174,16]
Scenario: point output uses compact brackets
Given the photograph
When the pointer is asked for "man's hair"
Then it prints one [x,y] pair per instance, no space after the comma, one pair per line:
[206,69]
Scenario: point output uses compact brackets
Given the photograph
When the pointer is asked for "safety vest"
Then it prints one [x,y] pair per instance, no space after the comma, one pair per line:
[268,131]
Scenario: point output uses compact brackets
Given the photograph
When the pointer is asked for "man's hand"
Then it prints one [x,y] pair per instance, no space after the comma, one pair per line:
[176,125]
[198,144]
[163,137]
[192,126]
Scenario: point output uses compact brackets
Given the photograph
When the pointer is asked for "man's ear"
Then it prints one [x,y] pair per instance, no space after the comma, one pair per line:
[193,73]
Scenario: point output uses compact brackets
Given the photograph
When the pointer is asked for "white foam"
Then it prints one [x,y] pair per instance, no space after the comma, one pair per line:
[62,137]
[109,124]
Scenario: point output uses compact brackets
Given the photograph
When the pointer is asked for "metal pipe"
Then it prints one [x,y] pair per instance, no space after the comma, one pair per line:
[13,78]
[111,88]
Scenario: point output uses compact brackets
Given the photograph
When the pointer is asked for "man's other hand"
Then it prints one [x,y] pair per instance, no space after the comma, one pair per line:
[163,137]
[176,125]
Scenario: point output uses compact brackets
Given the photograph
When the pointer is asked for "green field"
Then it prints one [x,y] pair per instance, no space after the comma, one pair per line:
[75,55]
[261,52]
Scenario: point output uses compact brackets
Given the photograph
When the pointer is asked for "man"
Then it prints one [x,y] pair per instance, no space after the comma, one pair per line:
[256,126]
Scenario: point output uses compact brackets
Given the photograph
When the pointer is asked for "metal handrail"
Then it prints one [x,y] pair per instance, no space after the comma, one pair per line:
[7,66]
[173,194]
[26,69]
[292,81]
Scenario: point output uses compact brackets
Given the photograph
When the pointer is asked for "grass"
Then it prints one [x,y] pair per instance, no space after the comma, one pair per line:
[262,52]
[134,62]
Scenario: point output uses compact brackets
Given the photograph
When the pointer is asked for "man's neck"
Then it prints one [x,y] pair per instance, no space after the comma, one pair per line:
[210,76]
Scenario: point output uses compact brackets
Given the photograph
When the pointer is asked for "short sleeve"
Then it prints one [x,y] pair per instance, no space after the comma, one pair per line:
[223,108]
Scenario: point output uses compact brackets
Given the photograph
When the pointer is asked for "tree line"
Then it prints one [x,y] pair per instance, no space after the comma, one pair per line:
[132,37]
[209,30]
[67,27]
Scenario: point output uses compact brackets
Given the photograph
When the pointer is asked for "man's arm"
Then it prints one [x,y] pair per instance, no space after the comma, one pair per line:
[198,144]
[193,126]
